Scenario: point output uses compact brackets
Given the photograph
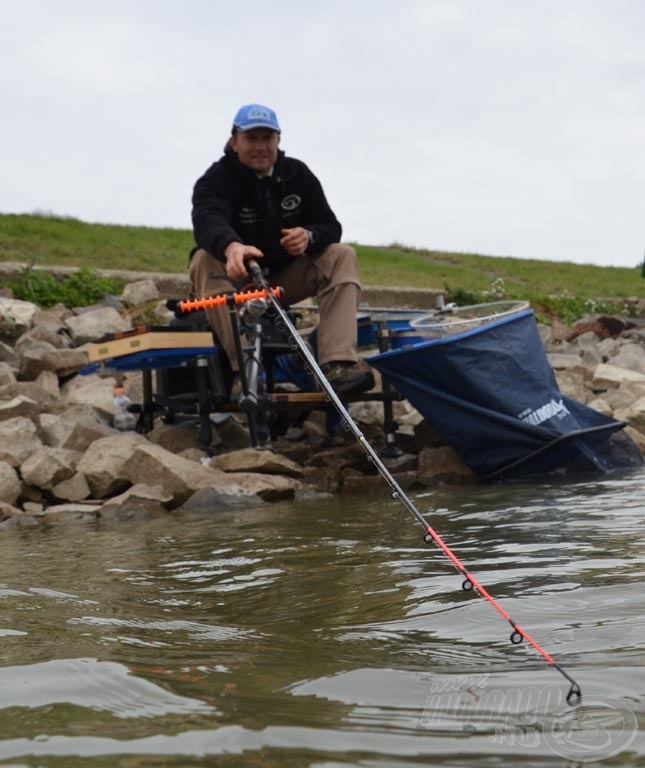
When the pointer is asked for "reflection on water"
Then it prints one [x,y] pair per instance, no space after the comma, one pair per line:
[330,634]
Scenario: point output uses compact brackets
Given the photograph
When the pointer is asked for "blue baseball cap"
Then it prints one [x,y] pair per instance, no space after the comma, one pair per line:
[255,116]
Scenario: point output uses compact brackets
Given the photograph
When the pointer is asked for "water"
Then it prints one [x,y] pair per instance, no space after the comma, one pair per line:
[330,635]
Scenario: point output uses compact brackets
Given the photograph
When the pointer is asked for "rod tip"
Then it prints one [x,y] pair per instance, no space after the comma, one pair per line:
[575,694]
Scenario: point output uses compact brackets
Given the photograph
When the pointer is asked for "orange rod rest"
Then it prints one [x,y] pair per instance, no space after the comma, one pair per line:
[221,299]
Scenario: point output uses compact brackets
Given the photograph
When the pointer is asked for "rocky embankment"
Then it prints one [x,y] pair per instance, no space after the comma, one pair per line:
[61,460]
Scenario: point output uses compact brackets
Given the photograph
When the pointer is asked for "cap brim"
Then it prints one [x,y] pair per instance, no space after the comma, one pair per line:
[257,125]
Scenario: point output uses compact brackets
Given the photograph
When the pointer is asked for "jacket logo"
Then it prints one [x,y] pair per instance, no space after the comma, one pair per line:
[248,215]
[291,202]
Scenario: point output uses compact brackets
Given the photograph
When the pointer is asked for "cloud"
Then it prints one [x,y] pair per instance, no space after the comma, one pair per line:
[496,127]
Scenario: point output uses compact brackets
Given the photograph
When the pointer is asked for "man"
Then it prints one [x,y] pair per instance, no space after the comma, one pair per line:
[255,202]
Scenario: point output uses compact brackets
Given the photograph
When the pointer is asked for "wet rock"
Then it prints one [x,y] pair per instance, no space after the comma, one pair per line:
[402,463]
[443,465]
[300,451]
[213,501]
[18,440]
[140,502]
[267,487]
[177,476]
[9,483]
[70,512]
[11,517]
[324,479]
[253,460]
[347,455]
[357,483]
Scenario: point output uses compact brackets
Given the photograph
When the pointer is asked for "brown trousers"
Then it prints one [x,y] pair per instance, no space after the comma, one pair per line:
[330,276]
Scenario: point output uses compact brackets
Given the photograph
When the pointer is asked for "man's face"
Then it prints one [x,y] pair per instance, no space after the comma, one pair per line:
[257,148]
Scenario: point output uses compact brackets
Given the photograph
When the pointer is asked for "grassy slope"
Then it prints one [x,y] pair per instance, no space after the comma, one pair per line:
[64,241]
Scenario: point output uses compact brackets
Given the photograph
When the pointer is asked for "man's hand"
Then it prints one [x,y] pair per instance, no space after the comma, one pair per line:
[294,240]
[235,254]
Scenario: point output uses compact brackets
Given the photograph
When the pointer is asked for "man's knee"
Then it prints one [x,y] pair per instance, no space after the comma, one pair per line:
[341,263]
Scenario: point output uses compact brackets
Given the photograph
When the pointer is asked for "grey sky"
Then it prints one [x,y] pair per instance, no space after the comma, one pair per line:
[505,127]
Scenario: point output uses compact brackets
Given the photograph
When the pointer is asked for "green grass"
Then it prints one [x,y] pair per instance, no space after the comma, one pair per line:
[553,287]
[49,240]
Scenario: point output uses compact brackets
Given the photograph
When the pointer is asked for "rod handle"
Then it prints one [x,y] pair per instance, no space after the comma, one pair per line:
[254,268]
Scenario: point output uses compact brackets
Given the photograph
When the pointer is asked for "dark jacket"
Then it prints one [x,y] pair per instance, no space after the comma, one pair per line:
[230,203]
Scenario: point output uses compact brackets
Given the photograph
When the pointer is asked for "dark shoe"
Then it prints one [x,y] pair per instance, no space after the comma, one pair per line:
[346,377]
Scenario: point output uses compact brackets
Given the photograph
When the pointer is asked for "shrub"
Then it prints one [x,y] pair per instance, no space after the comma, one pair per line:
[79,289]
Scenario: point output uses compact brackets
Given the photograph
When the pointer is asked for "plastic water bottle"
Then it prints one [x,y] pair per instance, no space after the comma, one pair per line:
[123,420]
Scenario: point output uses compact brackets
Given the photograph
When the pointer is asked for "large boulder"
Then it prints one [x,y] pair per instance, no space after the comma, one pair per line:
[75,429]
[18,440]
[139,502]
[47,466]
[74,488]
[93,390]
[140,292]
[177,476]
[267,487]
[104,464]
[95,324]
[253,460]
[48,330]
[630,356]
[213,501]
[608,376]
[19,406]
[37,356]
[443,465]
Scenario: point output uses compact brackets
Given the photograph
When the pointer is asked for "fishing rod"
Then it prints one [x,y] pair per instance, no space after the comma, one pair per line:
[470,582]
